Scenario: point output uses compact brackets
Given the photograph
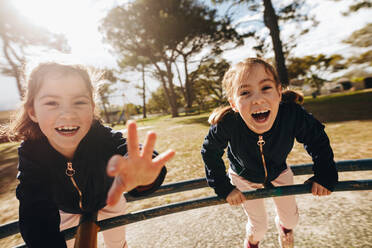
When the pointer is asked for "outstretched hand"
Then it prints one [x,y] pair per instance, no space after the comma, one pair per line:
[138,168]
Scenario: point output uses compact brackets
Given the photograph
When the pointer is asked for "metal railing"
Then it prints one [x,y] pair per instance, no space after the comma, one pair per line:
[304,169]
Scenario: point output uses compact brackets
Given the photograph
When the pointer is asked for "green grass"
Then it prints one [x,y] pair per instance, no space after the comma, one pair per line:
[345,106]
[5,116]
[8,153]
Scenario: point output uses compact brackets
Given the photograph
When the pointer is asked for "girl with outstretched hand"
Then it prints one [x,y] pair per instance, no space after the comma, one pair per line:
[259,128]
[69,163]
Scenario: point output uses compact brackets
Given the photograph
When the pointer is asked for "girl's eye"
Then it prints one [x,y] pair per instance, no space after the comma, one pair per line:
[51,103]
[244,93]
[266,88]
[81,102]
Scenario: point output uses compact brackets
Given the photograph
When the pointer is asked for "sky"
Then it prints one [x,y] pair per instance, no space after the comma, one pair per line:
[80,26]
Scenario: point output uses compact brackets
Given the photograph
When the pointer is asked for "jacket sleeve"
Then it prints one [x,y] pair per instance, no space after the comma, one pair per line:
[38,215]
[310,132]
[212,151]
[142,190]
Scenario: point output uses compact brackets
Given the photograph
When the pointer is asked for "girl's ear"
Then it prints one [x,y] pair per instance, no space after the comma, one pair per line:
[232,105]
[31,114]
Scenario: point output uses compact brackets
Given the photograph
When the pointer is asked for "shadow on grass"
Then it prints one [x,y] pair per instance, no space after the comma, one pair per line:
[8,153]
[195,120]
[346,106]
[341,107]
[8,167]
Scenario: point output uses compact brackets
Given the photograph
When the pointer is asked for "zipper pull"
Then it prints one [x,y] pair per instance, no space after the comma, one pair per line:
[70,171]
[260,141]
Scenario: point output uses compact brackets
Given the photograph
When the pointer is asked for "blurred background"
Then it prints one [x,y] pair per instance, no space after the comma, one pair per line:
[161,59]
[169,56]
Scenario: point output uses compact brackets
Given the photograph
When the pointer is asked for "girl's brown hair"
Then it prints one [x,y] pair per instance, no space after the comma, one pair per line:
[22,127]
[236,72]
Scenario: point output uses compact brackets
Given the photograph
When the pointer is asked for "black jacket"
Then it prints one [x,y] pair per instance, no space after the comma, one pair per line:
[243,152]
[45,188]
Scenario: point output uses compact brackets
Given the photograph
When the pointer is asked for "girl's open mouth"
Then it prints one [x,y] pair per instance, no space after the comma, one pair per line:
[67,130]
[261,116]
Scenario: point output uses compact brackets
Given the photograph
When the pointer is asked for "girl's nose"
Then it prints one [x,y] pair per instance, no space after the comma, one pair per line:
[68,112]
[257,98]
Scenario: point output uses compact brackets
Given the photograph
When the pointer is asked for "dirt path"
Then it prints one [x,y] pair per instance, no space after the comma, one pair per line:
[340,220]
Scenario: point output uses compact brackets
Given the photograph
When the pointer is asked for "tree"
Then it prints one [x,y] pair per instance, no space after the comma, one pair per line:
[163,30]
[361,37]
[208,82]
[104,91]
[132,109]
[314,68]
[107,78]
[358,5]
[137,63]
[158,102]
[365,57]
[16,35]
[291,12]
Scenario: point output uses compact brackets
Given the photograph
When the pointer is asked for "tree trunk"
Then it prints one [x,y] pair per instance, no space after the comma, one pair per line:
[103,100]
[271,21]
[15,68]
[183,91]
[17,76]
[143,92]
[188,85]
[168,93]
[172,95]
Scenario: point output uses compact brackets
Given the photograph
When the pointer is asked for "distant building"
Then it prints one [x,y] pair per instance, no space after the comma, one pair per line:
[307,90]
[368,82]
[345,82]
[331,87]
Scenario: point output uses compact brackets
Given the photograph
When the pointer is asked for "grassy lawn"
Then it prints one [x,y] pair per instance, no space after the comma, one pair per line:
[348,120]
[341,106]
[4,116]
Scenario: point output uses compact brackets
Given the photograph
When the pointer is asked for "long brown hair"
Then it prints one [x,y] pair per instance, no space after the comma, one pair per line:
[235,72]
[22,127]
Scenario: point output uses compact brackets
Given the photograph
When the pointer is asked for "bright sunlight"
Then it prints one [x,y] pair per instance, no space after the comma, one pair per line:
[77,20]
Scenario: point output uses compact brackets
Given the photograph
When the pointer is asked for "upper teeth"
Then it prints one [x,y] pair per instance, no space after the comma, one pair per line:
[66,128]
[261,112]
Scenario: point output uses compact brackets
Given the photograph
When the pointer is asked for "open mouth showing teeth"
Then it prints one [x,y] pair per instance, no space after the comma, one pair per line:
[67,129]
[261,116]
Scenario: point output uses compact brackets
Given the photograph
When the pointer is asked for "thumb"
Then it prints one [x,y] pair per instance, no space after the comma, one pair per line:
[115,192]
[114,166]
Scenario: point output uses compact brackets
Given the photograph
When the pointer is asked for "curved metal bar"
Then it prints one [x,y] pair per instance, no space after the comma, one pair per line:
[302,169]
[346,165]
[297,189]
[214,200]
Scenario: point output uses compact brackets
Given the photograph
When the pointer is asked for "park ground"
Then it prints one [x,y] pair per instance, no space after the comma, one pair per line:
[343,219]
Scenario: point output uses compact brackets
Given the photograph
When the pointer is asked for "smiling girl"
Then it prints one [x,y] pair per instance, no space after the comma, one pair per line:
[259,128]
[69,163]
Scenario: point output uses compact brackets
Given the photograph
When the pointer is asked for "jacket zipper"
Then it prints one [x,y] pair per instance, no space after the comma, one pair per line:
[261,143]
[70,173]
